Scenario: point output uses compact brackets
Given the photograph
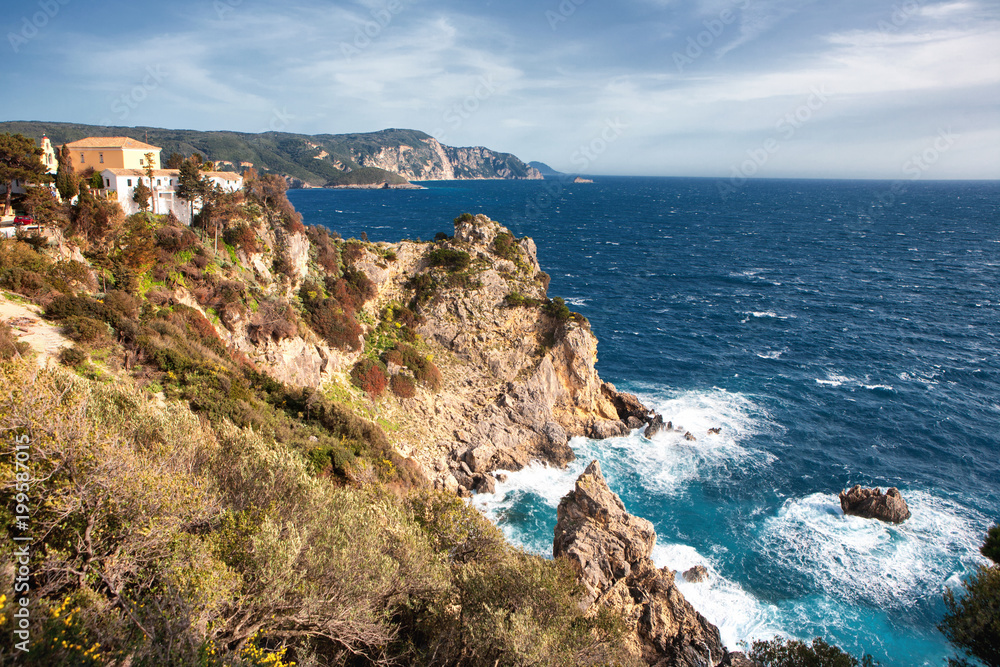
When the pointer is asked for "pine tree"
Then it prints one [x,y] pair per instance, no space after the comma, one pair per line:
[20,160]
[67,182]
[141,194]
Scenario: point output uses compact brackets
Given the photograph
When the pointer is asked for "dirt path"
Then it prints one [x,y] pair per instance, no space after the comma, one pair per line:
[27,324]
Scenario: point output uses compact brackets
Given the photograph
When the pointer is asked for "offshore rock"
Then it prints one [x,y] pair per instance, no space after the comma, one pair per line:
[610,550]
[655,426]
[872,504]
[696,574]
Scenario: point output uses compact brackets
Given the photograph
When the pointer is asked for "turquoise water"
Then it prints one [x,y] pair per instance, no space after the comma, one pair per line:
[836,337]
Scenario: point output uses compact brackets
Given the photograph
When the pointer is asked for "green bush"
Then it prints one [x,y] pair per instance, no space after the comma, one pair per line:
[972,621]
[423,369]
[558,309]
[505,247]
[794,653]
[991,545]
[465,217]
[86,330]
[72,356]
[450,259]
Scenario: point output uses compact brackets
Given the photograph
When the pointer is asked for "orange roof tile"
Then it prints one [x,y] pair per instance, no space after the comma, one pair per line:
[112,142]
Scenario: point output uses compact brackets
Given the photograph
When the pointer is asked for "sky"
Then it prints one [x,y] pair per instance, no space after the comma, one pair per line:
[893,89]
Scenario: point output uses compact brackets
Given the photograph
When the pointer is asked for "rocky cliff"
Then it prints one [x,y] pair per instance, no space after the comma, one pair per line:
[610,549]
[429,160]
[333,160]
[518,376]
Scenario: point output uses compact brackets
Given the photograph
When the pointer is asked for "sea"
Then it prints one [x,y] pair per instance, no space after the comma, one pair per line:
[836,332]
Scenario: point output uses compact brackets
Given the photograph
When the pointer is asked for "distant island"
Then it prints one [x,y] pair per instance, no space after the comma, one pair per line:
[544,169]
[388,158]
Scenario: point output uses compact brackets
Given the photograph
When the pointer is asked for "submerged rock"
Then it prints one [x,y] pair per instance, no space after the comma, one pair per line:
[872,504]
[655,426]
[610,550]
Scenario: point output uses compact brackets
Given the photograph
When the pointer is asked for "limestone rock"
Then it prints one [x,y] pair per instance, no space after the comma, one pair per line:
[634,422]
[873,504]
[610,549]
[607,428]
[696,574]
[655,426]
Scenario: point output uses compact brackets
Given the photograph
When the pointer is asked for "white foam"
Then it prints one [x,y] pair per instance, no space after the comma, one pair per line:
[738,614]
[869,561]
[670,460]
[772,354]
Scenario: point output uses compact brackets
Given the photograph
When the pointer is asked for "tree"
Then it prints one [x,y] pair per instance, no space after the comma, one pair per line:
[41,204]
[175,161]
[991,547]
[67,182]
[141,195]
[191,184]
[972,622]
[149,175]
[794,653]
[20,160]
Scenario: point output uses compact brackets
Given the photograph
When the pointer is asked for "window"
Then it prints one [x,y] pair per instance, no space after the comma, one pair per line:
[107,182]
[81,158]
[101,157]
[158,182]
[130,182]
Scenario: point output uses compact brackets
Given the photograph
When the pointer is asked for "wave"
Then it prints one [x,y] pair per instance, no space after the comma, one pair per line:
[739,616]
[868,561]
[837,380]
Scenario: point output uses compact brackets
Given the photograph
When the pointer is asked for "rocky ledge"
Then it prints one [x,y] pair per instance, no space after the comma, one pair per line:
[872,504]
[610,549]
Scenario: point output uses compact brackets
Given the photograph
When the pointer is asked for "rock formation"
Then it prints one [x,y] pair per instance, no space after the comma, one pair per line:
[872,504]
[428,160]
[696,574]
[517,381]
[610,550]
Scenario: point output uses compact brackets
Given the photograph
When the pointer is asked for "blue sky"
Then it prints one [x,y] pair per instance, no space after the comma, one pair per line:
[735,88]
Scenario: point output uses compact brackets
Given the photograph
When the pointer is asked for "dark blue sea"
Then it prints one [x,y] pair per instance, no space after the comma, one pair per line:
[838,332]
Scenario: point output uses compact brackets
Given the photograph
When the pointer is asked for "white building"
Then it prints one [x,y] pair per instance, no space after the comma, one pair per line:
[122,182]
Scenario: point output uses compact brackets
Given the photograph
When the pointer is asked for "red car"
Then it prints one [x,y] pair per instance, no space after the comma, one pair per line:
[24,220]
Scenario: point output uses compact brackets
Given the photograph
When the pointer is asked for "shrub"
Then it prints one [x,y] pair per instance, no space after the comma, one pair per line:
[505,247]
[327,254]
[403,386]
[972,621]
[450,259]
[10,347]
[242,237]
[370,376]
[465,217]
[991,546]
[423,369]
[85,330]
[351,252]
[175,239]
[274,320]
[794,653]
[558,309]
[72,356]
[516,299]
[441,236]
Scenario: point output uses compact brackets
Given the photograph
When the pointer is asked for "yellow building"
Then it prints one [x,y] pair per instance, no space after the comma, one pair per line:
[111,153]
